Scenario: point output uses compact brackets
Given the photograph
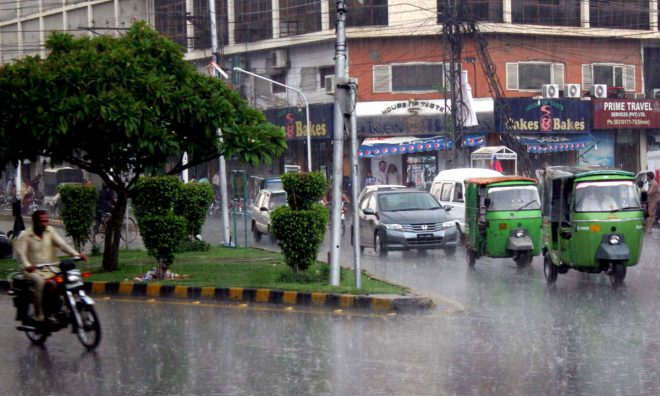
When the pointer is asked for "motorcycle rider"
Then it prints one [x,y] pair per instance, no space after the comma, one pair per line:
[38,245]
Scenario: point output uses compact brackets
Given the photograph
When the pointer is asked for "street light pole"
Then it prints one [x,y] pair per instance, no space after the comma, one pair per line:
[222,164]
[299,92]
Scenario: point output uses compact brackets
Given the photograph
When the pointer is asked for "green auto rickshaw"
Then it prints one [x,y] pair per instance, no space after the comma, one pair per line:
[503,218]
[592,221]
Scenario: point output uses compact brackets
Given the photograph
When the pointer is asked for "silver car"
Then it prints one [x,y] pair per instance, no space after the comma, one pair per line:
[405,219]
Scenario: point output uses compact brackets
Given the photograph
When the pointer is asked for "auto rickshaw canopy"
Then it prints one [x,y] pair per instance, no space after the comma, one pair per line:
[499,179]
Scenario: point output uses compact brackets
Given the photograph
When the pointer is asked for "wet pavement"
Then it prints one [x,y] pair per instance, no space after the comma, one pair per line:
[500,331]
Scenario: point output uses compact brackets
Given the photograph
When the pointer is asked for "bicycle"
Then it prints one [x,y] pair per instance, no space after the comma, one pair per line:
[128,234]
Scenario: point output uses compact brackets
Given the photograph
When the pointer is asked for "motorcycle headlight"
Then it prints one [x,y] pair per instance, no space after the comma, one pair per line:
[447,224]
[614,239]
[397,227]
[73,278]
[520,233]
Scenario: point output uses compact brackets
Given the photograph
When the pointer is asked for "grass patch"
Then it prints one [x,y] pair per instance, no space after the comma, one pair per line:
[224,267]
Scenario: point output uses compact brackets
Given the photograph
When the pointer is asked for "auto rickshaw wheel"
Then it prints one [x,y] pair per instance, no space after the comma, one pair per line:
[522,260]
[549,270]
[618,274]
[471,257]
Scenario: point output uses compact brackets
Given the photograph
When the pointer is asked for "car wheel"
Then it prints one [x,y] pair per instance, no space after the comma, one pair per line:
[256,233]
[549,270]
[379,245]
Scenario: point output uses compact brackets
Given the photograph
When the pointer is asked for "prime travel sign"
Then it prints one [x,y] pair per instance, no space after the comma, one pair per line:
[628,114]
[529,115]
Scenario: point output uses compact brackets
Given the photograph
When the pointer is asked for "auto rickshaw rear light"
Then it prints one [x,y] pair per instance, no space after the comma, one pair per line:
[503,226]
[594,228]
[59,279]
[85,274]
[614,239]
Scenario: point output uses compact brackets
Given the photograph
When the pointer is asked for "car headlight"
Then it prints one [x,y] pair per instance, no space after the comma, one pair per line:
[614,239]
[397,227]
[447,224]
[520,233]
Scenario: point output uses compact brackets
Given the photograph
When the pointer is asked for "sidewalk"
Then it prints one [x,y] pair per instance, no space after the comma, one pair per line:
[377,303]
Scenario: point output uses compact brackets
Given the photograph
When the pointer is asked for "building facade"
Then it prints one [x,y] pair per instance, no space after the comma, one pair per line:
[586,49]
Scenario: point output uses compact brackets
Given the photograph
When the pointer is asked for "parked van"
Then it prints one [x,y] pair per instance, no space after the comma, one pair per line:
[449,189]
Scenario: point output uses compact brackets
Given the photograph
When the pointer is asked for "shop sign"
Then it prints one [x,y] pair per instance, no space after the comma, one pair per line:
[528,115]
[399,125]
[293,121]
[628,114]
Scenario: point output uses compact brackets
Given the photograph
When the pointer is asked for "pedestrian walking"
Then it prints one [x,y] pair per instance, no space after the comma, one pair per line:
[653,196]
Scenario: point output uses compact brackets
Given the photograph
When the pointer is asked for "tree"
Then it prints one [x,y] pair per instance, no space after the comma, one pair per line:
[123,107]
[300,226]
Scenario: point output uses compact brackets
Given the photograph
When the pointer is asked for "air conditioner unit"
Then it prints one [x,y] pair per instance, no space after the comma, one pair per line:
[572,91]
[599,90]
[550,90]
[330,85]
[641,95]
[656,93]
[278,58]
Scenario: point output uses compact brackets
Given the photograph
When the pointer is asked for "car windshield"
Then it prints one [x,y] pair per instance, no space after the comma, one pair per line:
[606,196]
[407,201]
[277,200]
[514,198]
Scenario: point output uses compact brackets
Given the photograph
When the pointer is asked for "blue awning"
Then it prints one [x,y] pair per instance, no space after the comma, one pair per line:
[555,143]
[378,147]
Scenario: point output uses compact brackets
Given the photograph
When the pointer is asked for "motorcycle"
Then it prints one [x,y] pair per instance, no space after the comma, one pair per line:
[64,302]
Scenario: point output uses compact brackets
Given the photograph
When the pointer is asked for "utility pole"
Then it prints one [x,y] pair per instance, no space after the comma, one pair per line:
[222,166]
[338,141]
[453,40]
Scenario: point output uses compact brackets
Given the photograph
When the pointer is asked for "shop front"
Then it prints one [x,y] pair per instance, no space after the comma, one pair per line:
[550,131]
[406,142]
[293,122]
[632,128]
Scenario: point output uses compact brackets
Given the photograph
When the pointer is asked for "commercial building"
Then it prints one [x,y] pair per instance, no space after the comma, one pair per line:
[582,50]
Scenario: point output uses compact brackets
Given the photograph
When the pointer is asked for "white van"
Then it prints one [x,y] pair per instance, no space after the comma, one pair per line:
[449,189]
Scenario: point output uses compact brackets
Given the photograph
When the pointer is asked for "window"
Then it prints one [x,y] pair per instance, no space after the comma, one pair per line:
[529,76]
[445,192]
[546,12]
[480,10]
[619,14]
[308,79]
[458,192]
[613,75]
[280,78]
[362,13]
[171,20]
[299,17]
[253,20]
[411,77]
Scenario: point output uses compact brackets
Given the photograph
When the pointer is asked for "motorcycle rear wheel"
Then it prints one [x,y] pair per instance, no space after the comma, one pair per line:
[90,333]
[36,337]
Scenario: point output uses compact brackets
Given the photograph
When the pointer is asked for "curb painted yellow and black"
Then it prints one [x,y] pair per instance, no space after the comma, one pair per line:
[251,295]
[265,296]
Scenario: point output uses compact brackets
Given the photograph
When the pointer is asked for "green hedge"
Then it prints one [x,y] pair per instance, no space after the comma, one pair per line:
[78,211]
[193,201]
[300,227]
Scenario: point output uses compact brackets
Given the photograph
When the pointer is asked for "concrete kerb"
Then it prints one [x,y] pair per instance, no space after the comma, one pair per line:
[379,303]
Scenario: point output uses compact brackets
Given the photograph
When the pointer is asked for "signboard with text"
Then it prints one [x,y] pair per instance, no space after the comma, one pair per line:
[293,121]
[626,114]
[528,115]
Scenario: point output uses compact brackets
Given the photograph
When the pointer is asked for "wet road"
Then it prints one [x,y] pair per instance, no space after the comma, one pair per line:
[497,330]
